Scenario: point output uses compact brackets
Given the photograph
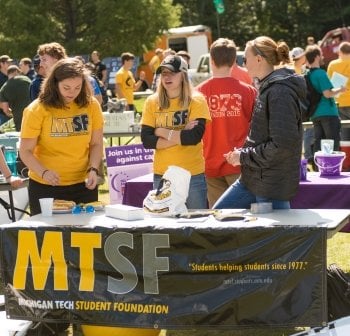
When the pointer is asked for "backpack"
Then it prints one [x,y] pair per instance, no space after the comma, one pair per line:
[338,293]
[313,97]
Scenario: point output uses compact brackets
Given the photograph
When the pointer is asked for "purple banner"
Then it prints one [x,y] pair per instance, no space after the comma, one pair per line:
[128,155]
[125,163]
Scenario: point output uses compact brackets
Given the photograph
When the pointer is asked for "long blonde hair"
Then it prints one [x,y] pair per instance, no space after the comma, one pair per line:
[185,94]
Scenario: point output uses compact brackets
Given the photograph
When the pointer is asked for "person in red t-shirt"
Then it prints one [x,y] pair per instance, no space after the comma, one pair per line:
[241,74]
[230,103]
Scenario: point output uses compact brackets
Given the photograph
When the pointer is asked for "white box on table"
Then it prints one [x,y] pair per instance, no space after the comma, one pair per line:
[118,122]
[125,212]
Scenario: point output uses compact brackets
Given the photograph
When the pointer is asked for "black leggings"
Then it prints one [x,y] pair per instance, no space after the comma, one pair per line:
[75,192]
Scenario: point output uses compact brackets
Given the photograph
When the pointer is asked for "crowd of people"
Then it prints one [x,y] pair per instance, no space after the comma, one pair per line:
[238,133]
[253,140]
[58,113]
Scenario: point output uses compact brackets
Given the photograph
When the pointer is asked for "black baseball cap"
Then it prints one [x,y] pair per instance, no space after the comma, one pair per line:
[174,63]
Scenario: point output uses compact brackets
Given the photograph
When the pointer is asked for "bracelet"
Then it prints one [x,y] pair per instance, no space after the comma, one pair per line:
[170,134]
[92,169]
[43,173]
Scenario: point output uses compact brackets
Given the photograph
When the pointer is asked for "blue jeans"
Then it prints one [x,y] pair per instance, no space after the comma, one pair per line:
[197,193]
[237,196]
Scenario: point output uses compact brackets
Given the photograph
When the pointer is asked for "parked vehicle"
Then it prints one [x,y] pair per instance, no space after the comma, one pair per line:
[202,71]
[330,43]
[196,40]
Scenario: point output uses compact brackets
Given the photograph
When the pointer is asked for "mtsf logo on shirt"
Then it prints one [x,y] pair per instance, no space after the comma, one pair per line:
[173,119]
[70,126]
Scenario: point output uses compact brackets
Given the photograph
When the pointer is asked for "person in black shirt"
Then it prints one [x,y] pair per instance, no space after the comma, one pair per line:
[5,62]
[100,68]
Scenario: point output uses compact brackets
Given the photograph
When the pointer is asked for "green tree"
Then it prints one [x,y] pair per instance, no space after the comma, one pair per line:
[110,26]
[133,25]
[290,20]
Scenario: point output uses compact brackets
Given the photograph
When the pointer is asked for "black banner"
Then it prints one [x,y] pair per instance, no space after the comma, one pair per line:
[166,278]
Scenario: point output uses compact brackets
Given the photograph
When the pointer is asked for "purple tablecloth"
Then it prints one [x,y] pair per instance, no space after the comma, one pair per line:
[332,192]
[326,192]
[136,190]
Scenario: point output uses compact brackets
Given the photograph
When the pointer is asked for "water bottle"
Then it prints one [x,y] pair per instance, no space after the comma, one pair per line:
[303,170]
[11,159]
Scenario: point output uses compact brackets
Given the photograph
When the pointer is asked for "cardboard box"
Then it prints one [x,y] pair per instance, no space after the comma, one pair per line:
[118,122]
[125,212]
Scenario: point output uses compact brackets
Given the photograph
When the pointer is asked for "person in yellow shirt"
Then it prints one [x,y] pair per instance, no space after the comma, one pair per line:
[62,137]
[125,83]
[173,123]
[342,66]
[155,60]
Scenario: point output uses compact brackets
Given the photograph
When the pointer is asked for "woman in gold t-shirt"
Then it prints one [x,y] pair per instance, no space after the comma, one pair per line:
[62,137]
[173,123]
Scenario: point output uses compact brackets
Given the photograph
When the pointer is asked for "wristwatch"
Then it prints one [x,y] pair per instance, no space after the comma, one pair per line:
[92,169]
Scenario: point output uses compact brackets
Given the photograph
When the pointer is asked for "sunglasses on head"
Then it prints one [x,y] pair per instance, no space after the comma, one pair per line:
[258,51]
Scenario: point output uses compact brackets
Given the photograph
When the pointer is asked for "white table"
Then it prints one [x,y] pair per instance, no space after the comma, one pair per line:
[332,219]
[142,94]
[131,135]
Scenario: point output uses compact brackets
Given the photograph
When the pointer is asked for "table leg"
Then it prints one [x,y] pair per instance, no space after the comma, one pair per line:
[132,138]
[12,207]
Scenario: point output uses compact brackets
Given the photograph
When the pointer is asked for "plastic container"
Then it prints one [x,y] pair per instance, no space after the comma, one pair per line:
[329,164]
[261,208]
[11,159]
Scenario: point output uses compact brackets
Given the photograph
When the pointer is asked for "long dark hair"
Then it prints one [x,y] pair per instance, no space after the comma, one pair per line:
[63,69]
